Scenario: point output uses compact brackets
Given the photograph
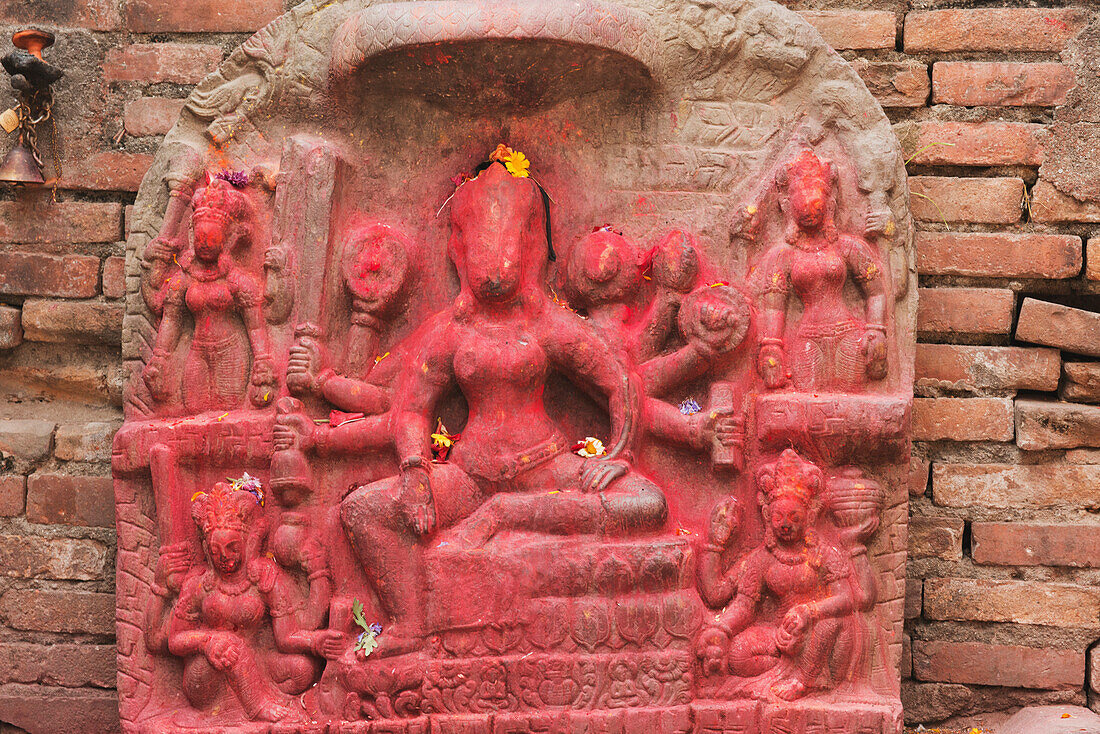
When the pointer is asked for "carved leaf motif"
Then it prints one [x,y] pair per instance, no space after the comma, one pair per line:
[637,620]
[591,625]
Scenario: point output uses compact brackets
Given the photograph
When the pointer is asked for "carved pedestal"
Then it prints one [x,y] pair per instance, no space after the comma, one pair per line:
[522,367]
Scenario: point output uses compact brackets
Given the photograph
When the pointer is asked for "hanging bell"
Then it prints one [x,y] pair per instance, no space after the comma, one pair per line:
[20,168]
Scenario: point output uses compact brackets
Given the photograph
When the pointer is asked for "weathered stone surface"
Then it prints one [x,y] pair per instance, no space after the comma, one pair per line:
[58,665]
[1045,424]
[936,537]
[844,29]
[51,558]
[70,500]
[11,327]
[980,200]
[180,63]
[32,274]
[12,495]
[37,220]
[50,710]
[1005,84]
[84,441]
[1016,485]
[151,115]
[993,29]
[1052,720]
[70,322]
[1019,602]
[965,310]
[999,255]
[80,612]
[895,83]
[26,441]
[1048,204]
[997,665]
[956,367]
[962,419]
[1035,544]
[1055,325]
[1080,382]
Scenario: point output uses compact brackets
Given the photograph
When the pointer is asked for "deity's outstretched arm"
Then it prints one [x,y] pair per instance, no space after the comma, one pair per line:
[580,355]
[428,374]
[353,395]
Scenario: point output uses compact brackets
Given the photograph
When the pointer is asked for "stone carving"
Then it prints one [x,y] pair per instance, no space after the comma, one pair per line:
[602,436]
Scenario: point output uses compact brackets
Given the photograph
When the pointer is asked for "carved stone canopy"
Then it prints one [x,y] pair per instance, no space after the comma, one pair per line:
[518,366]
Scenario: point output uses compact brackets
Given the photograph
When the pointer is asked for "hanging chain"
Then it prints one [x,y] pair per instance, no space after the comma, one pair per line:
[40,102]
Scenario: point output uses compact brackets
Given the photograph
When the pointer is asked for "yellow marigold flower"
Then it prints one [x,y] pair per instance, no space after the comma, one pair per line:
[517,164]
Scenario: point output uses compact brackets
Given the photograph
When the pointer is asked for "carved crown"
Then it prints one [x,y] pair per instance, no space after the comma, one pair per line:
[790,476]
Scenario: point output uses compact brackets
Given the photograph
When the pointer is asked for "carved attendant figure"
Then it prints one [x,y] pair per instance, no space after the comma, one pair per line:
[811,583]
[497,345]
[222,615]
[831,348]
[210,287]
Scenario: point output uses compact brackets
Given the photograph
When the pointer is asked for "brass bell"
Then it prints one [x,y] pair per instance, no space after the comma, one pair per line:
[20,168]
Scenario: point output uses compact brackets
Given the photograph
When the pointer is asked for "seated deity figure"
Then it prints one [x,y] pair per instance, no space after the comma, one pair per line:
[226,611]
[496,344]
[811,583]
[831,348]
[209,288]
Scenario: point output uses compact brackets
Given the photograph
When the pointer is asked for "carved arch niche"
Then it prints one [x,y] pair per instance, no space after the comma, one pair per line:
[726,211]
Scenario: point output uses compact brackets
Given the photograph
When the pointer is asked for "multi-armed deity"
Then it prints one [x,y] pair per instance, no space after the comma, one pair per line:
[428,434]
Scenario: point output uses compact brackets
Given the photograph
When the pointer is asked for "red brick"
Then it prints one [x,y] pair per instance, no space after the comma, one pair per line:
[107,171]
[72,322]
[998,255]
[52,710]
[180,63]
[1053,325]
[33,274]
[998,665]
[1000,84]
[1044,424]
[151,115]
[854,29]
[895,83]
[11,326]
[196,16]
[962,419]
[13,492]
[93,15]
[1019,602]
[58,665]
[935,537]
[978,200]
[84,441]
[965,310]
[913,597]
[29,556]
[40,220]
[975,143]
[919,470]
[74,612]
[1092,269]
[906,657]
[1048,204]
[951,366]
[1016,486]
[114,277]
[1035,544]
[1017,29]
[1080,382]
[70,500]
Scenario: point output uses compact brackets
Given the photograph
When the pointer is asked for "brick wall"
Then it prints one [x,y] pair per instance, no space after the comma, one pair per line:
[1000,105]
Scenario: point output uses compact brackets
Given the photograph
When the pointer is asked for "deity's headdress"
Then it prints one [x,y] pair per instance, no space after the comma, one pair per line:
[225,508]
[221,201]
[790,476]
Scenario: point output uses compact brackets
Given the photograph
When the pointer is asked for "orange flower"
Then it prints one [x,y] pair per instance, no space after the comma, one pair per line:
[501,154]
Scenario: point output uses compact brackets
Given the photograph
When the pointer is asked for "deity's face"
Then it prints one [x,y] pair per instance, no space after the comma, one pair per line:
[808,200]
[789,519]
[498,235]
[209,239]
[226,550]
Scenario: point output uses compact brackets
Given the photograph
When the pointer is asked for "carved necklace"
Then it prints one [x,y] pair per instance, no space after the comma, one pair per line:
[234,589]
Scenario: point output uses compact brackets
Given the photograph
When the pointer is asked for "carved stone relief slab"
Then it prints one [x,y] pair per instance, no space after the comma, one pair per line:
[501,367]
